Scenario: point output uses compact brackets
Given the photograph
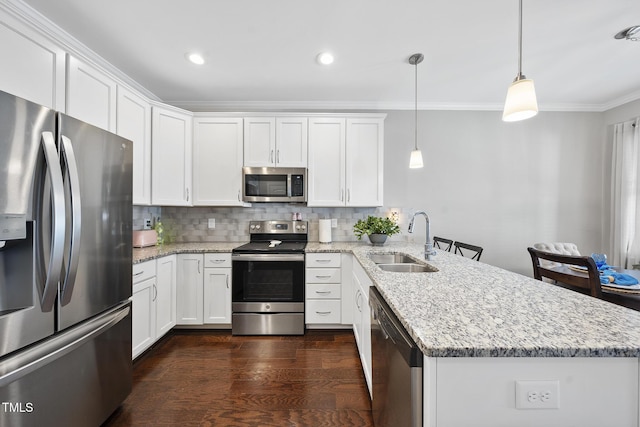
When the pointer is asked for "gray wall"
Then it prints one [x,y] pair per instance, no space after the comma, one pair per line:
[503,186]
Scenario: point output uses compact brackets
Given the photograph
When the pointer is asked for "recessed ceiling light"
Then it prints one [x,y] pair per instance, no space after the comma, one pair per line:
[196,58]
[325,58]
[631,33]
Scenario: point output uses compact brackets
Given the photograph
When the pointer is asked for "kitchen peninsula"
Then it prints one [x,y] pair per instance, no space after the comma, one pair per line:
[482,329]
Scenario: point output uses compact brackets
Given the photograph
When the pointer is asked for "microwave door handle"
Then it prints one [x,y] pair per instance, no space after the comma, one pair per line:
[49,284]
[288,185]
[69,158]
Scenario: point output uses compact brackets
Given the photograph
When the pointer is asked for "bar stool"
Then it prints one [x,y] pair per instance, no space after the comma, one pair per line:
[442,243]
[470,251]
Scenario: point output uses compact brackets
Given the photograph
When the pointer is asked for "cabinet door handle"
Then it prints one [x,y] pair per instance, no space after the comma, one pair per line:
[227,279]
[278,156]
[198,266]
[186,192]
[239,196]
[271,156]
[138,273]
[155,292]
[342,195]
[348,195]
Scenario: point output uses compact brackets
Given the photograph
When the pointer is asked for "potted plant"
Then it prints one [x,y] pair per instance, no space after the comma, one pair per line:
[376,228]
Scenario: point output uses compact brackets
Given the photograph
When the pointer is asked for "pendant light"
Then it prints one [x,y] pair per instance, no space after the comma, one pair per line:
[415,161]
[521,102]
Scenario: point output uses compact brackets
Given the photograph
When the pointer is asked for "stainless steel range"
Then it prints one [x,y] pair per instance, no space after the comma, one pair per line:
[268,280]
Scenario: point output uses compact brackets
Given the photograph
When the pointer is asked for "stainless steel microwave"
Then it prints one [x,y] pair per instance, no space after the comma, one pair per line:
[274,184]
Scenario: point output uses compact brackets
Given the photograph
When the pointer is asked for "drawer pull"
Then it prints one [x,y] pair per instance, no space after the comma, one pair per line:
[216,261]
[138,273]
[323,260]
[323,292]
[328,276]
[323,313]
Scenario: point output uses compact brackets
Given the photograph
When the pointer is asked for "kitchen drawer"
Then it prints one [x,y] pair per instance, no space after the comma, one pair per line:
[143,270]
[322,311]
[323,260]
[323,275]
[217,259]
[320,291]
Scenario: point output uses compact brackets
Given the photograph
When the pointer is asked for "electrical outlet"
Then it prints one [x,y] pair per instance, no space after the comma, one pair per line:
[212,223]
[537,394]
[147,224]
[334,222]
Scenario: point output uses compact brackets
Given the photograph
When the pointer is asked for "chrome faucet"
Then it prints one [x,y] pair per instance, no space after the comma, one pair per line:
[428,245]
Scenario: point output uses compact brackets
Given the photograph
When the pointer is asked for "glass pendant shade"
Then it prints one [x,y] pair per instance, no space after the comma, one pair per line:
[415,161]
[521,102]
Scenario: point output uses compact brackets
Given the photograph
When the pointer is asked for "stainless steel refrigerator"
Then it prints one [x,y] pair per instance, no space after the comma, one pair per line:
[65,268]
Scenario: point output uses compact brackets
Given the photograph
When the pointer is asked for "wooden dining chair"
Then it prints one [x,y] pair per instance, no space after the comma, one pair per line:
[442,243]
[588,283]
[470,251]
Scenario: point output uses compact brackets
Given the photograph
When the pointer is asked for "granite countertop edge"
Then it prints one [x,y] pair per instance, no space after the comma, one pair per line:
[473,309]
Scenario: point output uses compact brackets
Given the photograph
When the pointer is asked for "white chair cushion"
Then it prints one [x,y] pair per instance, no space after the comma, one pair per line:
[558,248]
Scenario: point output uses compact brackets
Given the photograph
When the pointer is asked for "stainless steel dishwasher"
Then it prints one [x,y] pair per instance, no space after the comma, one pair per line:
[396,369]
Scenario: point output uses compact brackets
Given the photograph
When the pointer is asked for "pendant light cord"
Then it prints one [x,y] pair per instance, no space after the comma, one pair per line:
[520,76]
[416,109]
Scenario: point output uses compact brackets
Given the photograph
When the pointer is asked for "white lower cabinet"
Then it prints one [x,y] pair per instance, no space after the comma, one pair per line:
[189,289]
[153,302]
[204,289]
[165,294]
[217,288]
[362,318]
[323,291]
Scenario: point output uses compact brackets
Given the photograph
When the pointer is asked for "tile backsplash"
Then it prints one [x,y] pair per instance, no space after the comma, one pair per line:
[190,224]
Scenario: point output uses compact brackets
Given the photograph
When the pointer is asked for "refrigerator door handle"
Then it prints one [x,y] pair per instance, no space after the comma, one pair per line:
[49,289]
[71,268]
[35,357]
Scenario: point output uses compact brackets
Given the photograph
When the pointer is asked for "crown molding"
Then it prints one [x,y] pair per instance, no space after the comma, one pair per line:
[41,24]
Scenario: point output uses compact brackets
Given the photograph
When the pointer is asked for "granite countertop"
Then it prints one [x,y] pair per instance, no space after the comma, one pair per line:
[472,309]
[153,252]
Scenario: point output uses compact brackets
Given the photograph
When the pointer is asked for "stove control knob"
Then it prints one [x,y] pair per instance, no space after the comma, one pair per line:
[267,307]
[304,227]
[297,227]
[257,226]
[252,226]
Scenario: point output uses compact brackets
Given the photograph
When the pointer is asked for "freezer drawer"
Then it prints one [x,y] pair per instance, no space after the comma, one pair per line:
[77,378]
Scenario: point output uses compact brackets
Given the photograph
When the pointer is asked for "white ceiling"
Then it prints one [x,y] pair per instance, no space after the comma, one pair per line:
[262,53]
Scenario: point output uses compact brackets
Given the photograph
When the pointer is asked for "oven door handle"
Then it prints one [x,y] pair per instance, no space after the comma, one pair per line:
[267,257]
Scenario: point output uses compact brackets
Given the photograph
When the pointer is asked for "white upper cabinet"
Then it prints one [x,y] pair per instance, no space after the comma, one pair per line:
[291,142]
[275,141]
[91,95]
[325,177]
[345,161]
[364,162]
[134,123]
[171,144]
[37,70]
[217,161]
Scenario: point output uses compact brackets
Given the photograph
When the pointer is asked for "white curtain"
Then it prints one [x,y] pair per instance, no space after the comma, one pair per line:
[625,188]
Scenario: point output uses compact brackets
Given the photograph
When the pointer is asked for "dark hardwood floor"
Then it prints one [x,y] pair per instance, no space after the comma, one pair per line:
[210,378]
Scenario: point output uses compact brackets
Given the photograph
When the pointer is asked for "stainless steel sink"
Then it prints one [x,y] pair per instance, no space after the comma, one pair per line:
[391,259]
[408,268]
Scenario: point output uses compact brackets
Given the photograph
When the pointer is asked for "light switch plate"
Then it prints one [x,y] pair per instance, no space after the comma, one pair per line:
[334,222]
[211,223]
